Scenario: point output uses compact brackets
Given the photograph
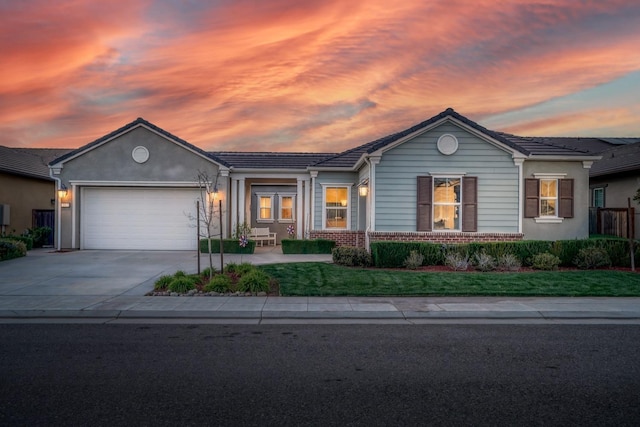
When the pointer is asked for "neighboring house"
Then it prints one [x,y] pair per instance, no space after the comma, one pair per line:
[27,192]
[447,179]
[615,179]
[612,180]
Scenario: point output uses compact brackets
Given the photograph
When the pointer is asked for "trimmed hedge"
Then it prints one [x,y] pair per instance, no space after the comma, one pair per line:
[314,246]
[229,246]
[11,248]
[393,254]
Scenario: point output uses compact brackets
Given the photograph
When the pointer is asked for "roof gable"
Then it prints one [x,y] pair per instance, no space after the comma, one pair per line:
[139,122]
[352,157]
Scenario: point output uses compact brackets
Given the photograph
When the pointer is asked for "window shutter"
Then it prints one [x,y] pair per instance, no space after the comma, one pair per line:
[470,203]
[531,198]
[423,220]
[565,198]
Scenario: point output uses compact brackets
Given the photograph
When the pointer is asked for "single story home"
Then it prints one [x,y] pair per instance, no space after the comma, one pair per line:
[447,179]
[27,191]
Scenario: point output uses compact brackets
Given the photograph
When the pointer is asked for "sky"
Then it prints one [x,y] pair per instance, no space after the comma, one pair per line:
[314,76]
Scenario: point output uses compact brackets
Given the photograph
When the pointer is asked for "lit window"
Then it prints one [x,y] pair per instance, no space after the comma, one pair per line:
[265,208]
[336,204]
[446,203]
[548,197]
[286,208]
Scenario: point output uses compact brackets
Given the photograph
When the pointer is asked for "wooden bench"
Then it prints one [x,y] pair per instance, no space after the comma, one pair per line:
[261,235]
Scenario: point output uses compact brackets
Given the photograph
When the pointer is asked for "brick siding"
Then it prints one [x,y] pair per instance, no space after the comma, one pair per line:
[357,238]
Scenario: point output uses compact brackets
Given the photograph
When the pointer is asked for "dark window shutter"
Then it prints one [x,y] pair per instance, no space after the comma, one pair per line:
[565,198]
[423,221]
[531,197]
[470,203]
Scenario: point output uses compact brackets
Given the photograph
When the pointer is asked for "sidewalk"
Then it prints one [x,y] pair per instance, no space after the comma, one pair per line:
[271,310]
[110,287]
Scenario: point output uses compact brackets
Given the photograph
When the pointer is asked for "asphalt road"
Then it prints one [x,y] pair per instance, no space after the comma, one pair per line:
[319,375]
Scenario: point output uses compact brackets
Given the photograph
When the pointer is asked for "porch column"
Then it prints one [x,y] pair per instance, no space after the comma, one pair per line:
[372,191]
[307,208]
[299,214]
[234,205]
[312,225]
[241,201]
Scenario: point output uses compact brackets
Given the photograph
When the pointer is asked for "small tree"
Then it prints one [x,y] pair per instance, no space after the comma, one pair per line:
[208,192]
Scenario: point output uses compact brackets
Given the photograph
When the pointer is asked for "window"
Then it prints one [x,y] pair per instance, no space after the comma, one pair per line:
[598,197]
[286,203]
[336,207]
[548,199]
[446,203]
[265,207]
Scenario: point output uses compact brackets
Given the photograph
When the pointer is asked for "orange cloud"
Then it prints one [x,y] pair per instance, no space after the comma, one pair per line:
[295,76]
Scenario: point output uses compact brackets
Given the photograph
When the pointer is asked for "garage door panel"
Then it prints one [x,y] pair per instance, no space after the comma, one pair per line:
[139,218]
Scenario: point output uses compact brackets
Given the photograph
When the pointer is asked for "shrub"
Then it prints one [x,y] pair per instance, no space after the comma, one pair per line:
[182,284]
[508,262]
[239,269]
[456,261]
[229,246]
[162,283]
[393,254]
[484,262]
[545,261]
[351,256]
[40,235]
[220,283]
[27,240]
[10,249]
[414,260]
[314,246]
[589,258]
[255,281]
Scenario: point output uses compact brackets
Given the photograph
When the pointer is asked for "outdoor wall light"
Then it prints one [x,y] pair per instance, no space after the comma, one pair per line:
[363,190]
[62,191]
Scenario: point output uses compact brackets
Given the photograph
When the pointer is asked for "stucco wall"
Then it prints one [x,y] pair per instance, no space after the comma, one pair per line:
[112,163]
[570,228]
[23,195]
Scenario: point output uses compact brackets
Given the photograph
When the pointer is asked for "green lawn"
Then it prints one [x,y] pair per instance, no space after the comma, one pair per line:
[322,279]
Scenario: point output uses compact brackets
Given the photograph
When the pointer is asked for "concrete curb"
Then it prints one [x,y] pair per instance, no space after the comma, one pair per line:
[320,315]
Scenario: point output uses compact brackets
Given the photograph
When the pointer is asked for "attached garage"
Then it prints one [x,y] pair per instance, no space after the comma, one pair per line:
[138,218]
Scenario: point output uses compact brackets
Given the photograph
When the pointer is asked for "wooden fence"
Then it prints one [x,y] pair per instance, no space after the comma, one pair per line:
[612,221]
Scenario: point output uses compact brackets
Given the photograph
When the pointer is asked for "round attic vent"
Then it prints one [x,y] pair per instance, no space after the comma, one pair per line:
[447,144]
[140,154]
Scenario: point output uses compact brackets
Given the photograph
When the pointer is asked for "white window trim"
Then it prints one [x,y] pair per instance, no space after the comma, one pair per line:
[260,195]
[293,208]
[324,205]
[550,219]
[433,203]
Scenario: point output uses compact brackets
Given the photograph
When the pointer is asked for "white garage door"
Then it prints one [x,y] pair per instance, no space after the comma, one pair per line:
[139,218]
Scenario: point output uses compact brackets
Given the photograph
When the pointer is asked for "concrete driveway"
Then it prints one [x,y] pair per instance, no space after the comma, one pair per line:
[105,273]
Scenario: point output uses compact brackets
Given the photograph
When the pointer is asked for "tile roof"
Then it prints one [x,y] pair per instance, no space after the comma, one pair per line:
[139,121]
[31,162]
[270,160]
[623,158]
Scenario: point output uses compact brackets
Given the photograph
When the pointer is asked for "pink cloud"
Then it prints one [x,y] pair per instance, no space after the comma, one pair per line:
[287,75]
